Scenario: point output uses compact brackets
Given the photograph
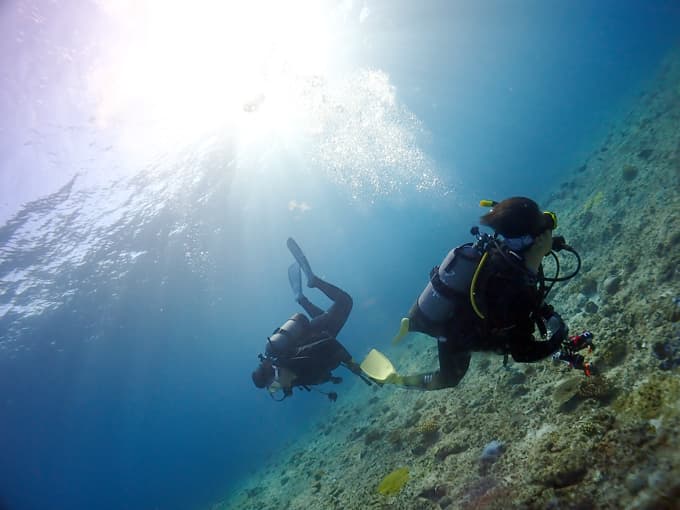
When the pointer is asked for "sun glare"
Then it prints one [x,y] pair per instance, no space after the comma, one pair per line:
[183,68]
[274,80]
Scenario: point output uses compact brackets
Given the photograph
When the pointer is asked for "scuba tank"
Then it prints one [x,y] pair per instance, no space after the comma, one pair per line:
[456,279]
[286,339]
[449,282]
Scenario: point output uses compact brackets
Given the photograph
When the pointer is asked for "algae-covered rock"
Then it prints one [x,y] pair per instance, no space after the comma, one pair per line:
[434,493]
[565,393]
[612,354]
[612,284]
[651,397]
[563,474]
[449,449]
[393,482]
[629,172]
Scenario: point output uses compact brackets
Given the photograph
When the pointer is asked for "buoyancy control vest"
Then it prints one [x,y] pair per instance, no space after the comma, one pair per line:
[286,339]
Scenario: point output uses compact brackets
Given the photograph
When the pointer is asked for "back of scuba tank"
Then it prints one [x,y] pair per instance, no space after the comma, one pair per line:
[458,268]
[288,337]
[449,284]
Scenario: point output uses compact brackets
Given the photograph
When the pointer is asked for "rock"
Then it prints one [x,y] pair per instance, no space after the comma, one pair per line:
[434,493]
[566,392]
[516,377]
[581,300]
[450,449]
[629,172]
[588,286]
[491,453]
[591,307]
[612,284]
[445,502]
[645,154]
[635,483]
[567,475]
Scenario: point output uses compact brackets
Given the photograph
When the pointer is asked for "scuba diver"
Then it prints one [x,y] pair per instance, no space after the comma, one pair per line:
[303,352]
[490,296]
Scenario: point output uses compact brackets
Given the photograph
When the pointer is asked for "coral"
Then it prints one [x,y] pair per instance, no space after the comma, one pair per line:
[393,482]
[597,387]
[427,432]
[428,427]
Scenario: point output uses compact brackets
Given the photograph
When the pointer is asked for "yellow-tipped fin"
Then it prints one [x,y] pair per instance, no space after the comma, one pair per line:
[403,330]
[377,366]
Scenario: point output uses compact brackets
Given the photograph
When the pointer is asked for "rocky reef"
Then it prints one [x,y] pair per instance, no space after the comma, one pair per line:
[537,435]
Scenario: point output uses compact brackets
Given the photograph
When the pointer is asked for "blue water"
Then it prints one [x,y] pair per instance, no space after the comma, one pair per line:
[132,309]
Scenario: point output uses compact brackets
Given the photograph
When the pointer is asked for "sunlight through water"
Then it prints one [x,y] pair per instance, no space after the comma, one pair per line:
[272,75]
[248,95]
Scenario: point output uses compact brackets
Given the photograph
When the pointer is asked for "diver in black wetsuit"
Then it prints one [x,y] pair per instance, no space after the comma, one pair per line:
[498,305]
[303,352]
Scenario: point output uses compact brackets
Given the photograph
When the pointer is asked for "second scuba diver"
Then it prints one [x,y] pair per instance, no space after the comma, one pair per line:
[303,352]
[490,296]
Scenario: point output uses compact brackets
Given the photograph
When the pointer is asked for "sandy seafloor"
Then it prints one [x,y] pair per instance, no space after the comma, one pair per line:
[608,441]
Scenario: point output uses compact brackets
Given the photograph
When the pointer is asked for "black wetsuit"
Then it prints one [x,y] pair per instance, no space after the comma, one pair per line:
[318,351]
[510,297]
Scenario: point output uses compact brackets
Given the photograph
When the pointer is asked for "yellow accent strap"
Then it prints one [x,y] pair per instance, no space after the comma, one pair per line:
[473,286]
[487,203]
[403,330]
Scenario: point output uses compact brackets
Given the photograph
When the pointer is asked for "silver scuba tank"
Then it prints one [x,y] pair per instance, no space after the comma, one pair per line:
[449,283]
[287,338]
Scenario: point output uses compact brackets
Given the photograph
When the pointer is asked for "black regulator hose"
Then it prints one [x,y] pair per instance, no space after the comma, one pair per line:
[560,244]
